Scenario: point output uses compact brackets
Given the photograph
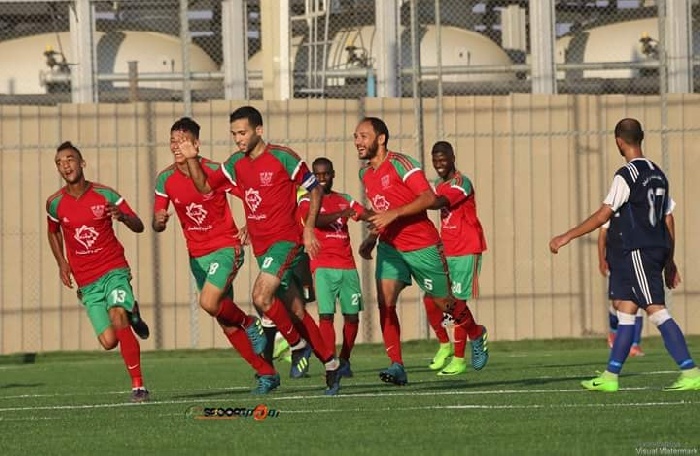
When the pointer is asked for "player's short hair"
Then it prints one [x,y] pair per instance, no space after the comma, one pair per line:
[247,112]
[379,128]
[323,161]
[186,124]
[69,145]
[630,131]
[443,147]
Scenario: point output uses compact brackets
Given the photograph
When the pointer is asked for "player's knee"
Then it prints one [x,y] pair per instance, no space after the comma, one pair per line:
[351,318]
[118,318]
[108,339]
[660,317]
[210,306]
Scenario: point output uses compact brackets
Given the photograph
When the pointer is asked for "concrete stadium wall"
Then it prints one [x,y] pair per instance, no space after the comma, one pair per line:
[539,165]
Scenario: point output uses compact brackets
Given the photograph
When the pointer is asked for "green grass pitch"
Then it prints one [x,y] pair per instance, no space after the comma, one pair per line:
[526,401]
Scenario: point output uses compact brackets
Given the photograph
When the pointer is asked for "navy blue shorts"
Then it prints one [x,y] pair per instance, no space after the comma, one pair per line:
[637,276]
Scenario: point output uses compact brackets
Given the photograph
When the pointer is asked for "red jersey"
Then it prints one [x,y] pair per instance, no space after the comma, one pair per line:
[397,181]
[91,246]
[206,220]
[268,186]
[460,228]
[335,238]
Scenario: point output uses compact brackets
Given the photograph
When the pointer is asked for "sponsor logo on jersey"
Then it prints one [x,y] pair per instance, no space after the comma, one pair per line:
[197,213]
[252,198]
[380,203]
[86,235]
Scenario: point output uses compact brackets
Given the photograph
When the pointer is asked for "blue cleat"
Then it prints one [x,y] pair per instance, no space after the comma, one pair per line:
[395,374]
[344,369]
[300,362]
[266,383]
[256,335]
[333,382]
[480,350]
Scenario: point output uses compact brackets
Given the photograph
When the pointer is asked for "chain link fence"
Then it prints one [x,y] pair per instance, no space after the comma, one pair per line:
[183,50]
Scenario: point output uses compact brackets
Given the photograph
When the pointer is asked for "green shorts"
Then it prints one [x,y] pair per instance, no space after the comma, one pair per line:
[341,285]
[111,290]
[280,260]
[218,268]
[464,272]
[427,266]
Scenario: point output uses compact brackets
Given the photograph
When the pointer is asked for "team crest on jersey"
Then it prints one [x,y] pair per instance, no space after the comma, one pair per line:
[86,235]
[98,210]
[380,203]
[266,178]
[385,181]
[252,198]
[197,213]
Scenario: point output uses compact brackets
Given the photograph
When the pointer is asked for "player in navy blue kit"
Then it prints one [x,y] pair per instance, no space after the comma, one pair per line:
[640,194]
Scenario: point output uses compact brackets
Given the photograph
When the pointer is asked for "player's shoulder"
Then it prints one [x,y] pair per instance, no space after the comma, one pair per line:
[166,172]
[101,188]
[55,195]
[208,164]
[282,152]
[397,159]
[55,198]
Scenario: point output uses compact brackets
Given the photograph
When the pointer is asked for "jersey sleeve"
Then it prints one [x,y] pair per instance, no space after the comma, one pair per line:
[115,198]
[619,193]
[410,172]
[670,206]
[162,200]
[303,211]
[296,168]
[224,176]
[355,206]
[457,191]
[52,221]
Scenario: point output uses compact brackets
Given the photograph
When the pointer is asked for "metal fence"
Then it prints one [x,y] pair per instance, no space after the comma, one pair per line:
[92,50]
[113,75]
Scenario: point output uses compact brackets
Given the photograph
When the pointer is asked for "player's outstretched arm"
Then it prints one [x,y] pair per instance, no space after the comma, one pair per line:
[596,219]
[310,242]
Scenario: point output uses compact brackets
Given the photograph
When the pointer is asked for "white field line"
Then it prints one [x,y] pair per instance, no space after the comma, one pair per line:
[314,387]
[218,402]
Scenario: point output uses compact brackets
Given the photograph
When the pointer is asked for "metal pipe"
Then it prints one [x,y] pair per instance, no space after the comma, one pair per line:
[438,25]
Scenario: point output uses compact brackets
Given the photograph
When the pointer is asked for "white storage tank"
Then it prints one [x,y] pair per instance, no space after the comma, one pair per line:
[617,42]
[459,48]
[25,62]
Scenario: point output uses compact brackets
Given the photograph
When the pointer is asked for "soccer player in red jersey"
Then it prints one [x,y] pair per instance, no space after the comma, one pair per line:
[464,241]
[409,244]
[81,216]
[335,273]
[214,248]
[267,177]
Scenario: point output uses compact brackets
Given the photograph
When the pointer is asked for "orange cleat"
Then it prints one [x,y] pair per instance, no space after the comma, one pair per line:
[636,351]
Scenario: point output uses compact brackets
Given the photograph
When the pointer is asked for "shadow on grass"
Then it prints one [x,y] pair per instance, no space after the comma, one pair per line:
[21,385]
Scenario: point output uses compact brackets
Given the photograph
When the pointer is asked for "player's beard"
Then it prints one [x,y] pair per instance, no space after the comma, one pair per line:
[252,143]
[372,150]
